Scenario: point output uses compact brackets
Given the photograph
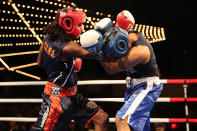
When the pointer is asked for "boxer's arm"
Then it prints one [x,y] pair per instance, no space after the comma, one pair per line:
[74,50]
[136,55]
[40,55]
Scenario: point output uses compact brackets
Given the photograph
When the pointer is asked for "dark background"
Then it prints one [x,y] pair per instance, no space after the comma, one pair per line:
[176,56]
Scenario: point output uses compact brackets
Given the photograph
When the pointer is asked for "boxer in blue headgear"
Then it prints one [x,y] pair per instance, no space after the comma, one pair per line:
[143,85]
[134,55]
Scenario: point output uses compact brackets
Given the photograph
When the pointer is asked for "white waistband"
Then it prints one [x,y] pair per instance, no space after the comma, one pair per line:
[135,81]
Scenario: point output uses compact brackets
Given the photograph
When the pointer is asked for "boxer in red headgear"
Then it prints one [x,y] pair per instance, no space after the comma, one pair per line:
[125,20]
[58,55]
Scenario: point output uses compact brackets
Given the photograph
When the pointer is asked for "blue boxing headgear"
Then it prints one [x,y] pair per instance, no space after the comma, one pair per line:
[116,42]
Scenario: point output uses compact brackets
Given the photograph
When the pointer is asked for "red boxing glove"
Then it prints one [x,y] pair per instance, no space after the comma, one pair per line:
[78,64]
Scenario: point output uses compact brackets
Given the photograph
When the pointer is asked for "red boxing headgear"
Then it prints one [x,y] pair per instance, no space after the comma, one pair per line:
[70,19]
[125,20]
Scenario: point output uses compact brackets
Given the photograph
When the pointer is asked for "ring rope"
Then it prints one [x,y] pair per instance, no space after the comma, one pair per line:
[98,82]
[152,120]
[161,99]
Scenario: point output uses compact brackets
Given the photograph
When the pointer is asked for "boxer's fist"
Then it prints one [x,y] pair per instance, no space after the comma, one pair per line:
[103,25]
[91,40]
[78,64]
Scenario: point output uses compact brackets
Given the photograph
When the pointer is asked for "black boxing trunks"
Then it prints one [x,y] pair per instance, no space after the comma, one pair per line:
[61,105]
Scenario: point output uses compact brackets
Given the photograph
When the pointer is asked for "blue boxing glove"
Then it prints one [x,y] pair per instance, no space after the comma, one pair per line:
[92,41]
[116,42]
[103,25]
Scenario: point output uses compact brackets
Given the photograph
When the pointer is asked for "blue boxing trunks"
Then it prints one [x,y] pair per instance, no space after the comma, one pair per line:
[139,98]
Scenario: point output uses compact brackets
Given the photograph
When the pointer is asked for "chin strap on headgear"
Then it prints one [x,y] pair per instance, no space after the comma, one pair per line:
[69,19]
[125,20]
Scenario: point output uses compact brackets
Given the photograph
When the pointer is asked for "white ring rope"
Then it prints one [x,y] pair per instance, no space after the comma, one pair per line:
[96,82]
[152,120]
[161,99]
[99,82]
[38,83]
[33,119]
